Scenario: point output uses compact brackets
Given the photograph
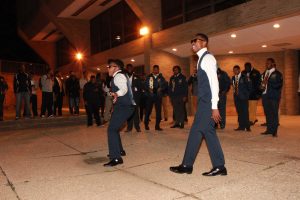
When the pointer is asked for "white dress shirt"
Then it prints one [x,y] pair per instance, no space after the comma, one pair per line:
[209,65]
[268,72]
[121,82]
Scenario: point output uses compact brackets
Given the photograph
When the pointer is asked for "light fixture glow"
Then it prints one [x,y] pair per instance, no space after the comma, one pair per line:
[118,37]
[174,49]
[144,31]
[233,35]
[264,46]
[230,52]
[276,26]
[132,60]
[67,76]
[98,69]
[79,56]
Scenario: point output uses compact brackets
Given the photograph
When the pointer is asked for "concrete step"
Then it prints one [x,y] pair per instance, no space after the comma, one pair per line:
[11,125]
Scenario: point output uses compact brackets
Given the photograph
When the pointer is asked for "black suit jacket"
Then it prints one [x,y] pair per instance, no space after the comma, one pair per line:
[136,87]
[255,78]
[244,87]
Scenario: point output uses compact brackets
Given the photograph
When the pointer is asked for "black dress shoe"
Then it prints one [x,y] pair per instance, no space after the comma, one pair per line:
[175,126]
[216,171]
[114,162]
[181,126]
[248,129]
[266,133]
[158,129]
[181,169]
[123,153]
[147,128]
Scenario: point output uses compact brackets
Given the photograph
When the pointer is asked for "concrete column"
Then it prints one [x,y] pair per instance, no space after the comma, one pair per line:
[290,85]
[147,52]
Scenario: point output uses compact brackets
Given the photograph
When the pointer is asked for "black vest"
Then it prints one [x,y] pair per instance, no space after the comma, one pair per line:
[204,91]
[127,99]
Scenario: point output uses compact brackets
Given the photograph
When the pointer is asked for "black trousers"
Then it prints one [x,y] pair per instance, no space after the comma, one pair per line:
[33,101]
[155,100]
[203,127]
[241,106]
[92,110]
[178,109]
[2,97]
[271,108]
[134,119]
[222,109]
[142,107]
[47,103]
[119,116]
[58,104]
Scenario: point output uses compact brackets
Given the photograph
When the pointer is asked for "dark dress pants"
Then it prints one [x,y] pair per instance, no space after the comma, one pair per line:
[134,119]
[222,109]
[92,110]
[119,116]
[33,101]
[241,106]
[156,100]
[58,104]
[203,127]
[271,108]
[178,109]
[47,103]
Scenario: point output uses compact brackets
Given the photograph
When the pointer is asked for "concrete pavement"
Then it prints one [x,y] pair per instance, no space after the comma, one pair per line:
[65,162]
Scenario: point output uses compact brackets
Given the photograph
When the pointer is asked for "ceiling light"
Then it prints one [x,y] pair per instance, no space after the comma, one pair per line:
[79,56]
[98,69]
[264,46]
[276,26]
[118,37]
[132,60]
[233,35]
[174,49]
[144,31]
[230,52]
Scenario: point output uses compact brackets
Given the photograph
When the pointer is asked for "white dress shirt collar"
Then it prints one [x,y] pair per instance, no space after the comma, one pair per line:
[201,52]
[116,73]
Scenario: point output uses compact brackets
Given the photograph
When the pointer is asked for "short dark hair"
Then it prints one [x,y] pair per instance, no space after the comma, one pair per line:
[129,65]
[92,76]
[118,62]
[155,66]
[177,67]
[272,60]
[248,64]
[236,67]
[203,36]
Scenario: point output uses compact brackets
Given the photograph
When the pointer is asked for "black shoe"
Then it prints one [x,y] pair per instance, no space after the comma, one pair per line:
[181,126]
[158,129]
[239,129]
[114,162]
[248,129]
[274,135]
[181,169]
[266,133]
[251,123]
[175,126]
[147,128]
[123,153]
[215,172]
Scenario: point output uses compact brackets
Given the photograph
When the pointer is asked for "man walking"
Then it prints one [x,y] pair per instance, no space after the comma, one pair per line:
[123,108]
[207,113]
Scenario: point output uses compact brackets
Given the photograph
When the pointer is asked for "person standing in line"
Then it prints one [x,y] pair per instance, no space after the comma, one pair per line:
[123,108]
[47,93]
[207,114]
[73,92]
[3,90]
[92,101]
[271,86]
[194,83]
[58,93]
[224,86]
[255,93]
[178,92]
[241,90]
[154,85]
[33,97]
[136,87]
[22,90]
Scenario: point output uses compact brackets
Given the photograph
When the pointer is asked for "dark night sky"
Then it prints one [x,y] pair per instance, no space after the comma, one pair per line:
[12,47]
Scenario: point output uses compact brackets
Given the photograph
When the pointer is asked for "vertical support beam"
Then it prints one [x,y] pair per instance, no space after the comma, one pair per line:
[147,52]
[291,82]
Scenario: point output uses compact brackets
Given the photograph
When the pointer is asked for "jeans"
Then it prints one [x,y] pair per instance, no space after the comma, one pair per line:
[26,97]
[74,105]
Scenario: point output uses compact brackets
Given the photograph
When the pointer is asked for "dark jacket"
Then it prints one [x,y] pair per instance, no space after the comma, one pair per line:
[178,86]
[224,82]
[136,87]
[72,87]
[255,78]
[194,82]
[244,87]
[159,85]
[274,85]
[91,93]
[22,82]
[3,85]
[56,88]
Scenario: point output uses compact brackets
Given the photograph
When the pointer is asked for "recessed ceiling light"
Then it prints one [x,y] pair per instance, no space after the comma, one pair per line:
[98,69]
[264,46]
[231,52]
[118,37]
[233,35]
[276,26]
[132,60]
[174,49]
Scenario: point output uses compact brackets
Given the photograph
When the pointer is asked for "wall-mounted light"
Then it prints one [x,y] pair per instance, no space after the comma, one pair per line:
[79,56]
[144,31]
[118,37]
